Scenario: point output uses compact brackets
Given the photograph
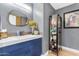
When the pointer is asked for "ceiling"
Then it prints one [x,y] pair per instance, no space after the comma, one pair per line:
[60,5]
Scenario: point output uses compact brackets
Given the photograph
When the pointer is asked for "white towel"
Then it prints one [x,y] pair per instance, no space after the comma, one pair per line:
[3,30]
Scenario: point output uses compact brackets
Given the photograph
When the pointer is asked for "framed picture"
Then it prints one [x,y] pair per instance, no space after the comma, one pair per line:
[71,19]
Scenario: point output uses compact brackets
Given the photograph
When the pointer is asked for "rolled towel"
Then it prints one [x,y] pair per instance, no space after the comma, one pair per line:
[4,30]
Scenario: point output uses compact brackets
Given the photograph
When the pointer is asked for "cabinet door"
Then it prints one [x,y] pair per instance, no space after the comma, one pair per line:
[30,48]
[24,50]
[1,52]
[37,47]
[13,49]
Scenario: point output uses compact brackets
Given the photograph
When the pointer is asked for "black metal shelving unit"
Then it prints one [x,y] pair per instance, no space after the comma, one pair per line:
[55,33]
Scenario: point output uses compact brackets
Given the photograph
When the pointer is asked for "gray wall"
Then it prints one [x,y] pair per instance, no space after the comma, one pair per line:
[70,37]
[4,12]
[38,15]
[48,10]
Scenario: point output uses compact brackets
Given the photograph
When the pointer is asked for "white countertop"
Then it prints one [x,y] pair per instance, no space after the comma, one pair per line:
[17,39]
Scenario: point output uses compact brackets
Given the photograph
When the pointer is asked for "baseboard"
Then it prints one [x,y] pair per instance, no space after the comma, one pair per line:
[64,48]
[70,49]
[45,54]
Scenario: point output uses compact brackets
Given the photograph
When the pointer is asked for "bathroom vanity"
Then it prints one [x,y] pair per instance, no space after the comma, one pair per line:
[27,45]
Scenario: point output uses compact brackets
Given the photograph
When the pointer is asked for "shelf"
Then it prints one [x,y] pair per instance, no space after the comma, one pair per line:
[55,30]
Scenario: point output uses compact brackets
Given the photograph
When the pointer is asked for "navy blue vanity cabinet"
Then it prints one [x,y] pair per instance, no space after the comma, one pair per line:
[28,48]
